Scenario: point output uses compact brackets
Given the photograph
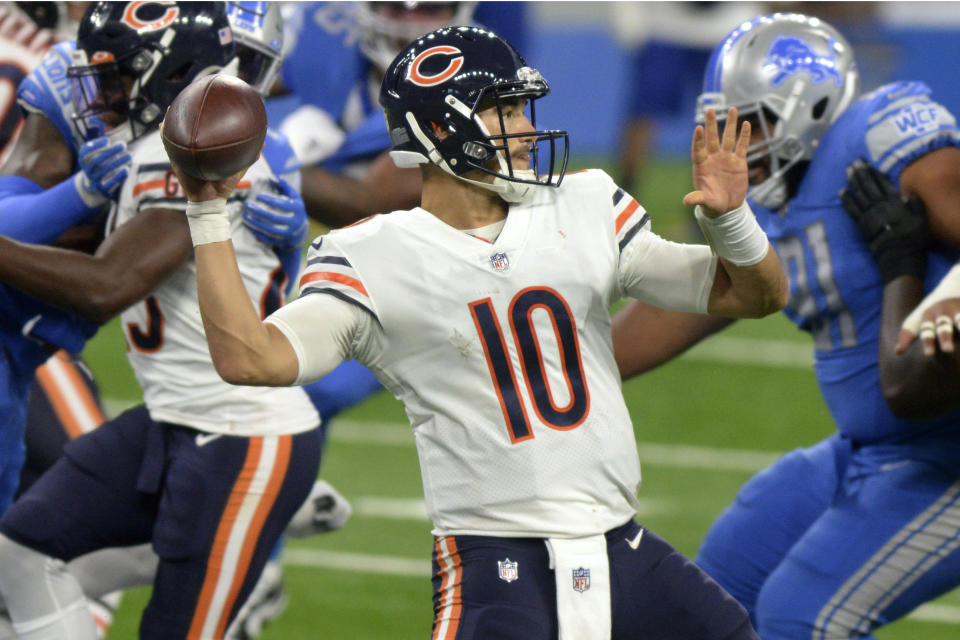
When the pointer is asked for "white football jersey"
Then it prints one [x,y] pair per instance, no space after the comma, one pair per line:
[501,353]
[167,345]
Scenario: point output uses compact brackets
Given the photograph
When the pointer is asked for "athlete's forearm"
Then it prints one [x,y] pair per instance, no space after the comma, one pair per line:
[916,386]
[244,349]
[33,214]
[751,291]
[338,200]
[645,336]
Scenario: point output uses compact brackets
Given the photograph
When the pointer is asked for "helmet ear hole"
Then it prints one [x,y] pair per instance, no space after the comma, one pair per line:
[819,108]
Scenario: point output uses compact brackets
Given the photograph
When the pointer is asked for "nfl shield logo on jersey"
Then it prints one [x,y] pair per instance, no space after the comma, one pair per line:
[499,261]
[581,579]
[508,570]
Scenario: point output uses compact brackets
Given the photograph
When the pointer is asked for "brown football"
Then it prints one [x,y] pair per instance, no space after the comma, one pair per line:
[215,127]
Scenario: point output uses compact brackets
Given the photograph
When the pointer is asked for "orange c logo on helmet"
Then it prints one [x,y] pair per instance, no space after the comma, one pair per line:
[414,75]
[133,8]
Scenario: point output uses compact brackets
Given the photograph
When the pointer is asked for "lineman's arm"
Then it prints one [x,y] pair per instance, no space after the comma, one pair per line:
[130,263]
[914,385]
[646,336]
[41,196]
[337,200]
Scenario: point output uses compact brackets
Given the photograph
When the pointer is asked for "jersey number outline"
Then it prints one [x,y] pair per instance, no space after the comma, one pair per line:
[151,340]
[803,303]
[502,374]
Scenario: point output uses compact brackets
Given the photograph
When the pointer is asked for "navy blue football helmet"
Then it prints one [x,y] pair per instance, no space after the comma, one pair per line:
[134,58]
[447,77]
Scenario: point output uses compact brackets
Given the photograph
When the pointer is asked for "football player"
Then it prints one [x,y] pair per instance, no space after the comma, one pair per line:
[836,539]
[253,455]
[485,312]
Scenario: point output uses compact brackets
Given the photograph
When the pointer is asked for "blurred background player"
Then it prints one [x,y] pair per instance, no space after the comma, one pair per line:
[858,530]
[63,400]
[670,44]
[139,73]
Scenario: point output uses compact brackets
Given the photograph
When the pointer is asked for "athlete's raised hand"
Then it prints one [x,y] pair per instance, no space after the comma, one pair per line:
[719,165]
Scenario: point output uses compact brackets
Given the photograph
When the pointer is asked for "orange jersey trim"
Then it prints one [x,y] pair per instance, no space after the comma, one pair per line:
[625,215]
[353,283]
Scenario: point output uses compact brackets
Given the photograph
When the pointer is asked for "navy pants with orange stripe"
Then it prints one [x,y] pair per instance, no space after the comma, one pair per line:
[487,587]
[212,506]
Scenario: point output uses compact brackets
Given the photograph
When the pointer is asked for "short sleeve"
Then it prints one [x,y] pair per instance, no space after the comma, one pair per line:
[328,271]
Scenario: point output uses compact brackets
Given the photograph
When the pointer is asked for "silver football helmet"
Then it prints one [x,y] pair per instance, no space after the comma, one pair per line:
[385,28]
[795,74]
[258,34]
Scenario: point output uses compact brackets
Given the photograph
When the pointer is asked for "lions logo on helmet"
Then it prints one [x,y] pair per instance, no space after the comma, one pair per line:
[791,55]
[450,75]
[794,75]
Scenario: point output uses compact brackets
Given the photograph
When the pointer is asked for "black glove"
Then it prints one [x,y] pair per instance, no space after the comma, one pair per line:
[895,228]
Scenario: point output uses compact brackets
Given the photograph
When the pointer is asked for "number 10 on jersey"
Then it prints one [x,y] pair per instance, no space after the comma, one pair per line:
[533,369]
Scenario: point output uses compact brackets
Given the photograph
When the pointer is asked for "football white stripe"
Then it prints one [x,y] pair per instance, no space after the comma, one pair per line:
[238,533]
[71,394]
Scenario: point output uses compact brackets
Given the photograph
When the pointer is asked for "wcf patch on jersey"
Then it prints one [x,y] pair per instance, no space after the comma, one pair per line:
[500,261]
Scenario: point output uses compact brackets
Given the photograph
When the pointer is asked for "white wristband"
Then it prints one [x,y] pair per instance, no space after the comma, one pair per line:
[209,221]
[735,236]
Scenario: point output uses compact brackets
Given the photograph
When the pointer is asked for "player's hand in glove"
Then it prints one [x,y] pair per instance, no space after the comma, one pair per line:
[103,169]
[894,227]
[324,510]
[279,220]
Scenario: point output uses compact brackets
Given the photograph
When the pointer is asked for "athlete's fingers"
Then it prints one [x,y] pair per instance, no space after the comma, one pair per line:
[697,151]
[713,138]
[944,327]
[743,143]
[904,341]
[730,130]
[928,336]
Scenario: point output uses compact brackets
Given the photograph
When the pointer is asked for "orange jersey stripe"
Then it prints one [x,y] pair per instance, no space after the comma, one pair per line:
[71,399]
[446,622]
[625,215]
[217,553]
[277,474]
[334,277]
[146,186]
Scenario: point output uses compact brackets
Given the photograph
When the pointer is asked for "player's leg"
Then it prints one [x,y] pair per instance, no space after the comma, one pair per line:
[63,404]
[657,592]
[770,513]
[486,587]
[225,503]
[87,500]
[887,544]
[323,511]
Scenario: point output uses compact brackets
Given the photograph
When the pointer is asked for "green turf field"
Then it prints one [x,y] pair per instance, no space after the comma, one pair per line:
[704,424]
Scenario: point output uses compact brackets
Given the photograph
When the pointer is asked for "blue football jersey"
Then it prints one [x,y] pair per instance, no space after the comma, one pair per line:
[342,86]
[835,286]
[32,328]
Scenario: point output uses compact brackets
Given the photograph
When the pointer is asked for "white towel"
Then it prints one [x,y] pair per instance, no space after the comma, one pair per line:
[582,572]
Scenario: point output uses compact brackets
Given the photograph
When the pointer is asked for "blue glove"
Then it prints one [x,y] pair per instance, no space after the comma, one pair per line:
[278,220]
[103,169]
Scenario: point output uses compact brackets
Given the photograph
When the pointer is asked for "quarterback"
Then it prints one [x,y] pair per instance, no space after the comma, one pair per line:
[485,312]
